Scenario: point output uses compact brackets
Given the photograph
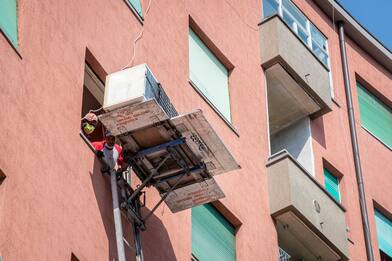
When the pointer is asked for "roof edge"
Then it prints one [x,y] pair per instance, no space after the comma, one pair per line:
[357,32]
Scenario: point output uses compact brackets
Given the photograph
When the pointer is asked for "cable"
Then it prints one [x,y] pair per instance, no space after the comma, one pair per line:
[249,25]
[138,38]
[94,111]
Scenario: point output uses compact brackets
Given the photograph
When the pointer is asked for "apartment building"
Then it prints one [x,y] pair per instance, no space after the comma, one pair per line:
[273,77]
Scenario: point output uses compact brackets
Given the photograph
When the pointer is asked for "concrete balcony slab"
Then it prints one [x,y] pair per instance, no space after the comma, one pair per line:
[310,223]
[297,82]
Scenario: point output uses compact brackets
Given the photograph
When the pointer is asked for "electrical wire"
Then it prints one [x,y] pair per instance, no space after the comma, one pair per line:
[138,38]
[97,110]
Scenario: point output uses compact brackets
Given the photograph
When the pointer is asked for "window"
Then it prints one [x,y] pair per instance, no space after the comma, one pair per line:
[332,185]
[93,94]
[73,257]
[136,6]
[213,237]
[9,20]
[2,176]
[209,76]
[300,25]
[376,117]
[384,235]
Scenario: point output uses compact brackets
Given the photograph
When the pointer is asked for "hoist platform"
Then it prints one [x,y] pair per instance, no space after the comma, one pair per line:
[178,156]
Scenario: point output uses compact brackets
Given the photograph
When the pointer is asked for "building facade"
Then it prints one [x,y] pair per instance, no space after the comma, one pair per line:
[268,76]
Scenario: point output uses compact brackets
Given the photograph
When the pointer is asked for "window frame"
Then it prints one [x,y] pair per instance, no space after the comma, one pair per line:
[378,211]
[220,57]
[338,179]
[226,219]
[381,101]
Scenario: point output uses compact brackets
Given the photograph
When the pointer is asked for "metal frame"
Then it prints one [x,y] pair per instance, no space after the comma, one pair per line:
[131,200]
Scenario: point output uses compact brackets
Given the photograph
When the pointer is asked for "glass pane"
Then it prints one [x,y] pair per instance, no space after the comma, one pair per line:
[318,37]
[303,35]
[288,19]
[270,7]
[320,53]
[298,16]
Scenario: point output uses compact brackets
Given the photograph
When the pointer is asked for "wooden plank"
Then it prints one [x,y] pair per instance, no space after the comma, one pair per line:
[205,143]
[194,195]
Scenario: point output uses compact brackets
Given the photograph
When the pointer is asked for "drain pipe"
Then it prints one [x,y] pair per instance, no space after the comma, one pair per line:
[354,141]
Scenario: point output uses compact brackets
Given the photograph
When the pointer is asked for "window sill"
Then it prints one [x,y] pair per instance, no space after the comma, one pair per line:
[374,136]
[138,17]
[229,124]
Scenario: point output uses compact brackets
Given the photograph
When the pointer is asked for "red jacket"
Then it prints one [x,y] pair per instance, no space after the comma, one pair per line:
[99,145]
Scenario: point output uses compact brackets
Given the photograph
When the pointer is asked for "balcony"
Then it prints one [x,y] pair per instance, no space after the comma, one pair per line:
[310,223]
[297,80]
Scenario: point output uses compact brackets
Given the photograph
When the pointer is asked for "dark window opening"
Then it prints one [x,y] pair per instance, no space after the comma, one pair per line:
[92,101]
[74,258]
[2,176]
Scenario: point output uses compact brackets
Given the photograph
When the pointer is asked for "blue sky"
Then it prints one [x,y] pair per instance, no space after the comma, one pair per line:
[374,15]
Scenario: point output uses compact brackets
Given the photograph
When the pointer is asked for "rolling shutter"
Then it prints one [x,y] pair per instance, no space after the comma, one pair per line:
[209,75]
[376,117]
[212,235]
[9,20]
[137,6]
[332,185]
[384,233]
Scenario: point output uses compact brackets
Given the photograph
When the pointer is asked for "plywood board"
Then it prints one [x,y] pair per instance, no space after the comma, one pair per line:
[204,142]
[132,117]
[194,195]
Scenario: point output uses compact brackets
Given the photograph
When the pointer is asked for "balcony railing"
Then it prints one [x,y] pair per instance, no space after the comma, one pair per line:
[300,25]
[283,256]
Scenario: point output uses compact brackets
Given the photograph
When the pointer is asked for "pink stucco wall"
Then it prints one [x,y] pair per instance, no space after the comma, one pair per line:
[55,200]
[331,134]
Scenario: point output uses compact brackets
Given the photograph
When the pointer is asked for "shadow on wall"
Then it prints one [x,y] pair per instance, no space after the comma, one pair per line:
[155,240]
[318,131]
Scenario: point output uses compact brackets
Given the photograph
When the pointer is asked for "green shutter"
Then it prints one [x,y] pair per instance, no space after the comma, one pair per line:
[209,75]
[384,233]
[376,117]
[9,20]
[332,185]
[213,236]
[137,6]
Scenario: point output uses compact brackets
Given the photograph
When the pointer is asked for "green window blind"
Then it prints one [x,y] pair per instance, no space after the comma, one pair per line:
[213,236]
[209,75]
[9,20]
[136,6]
[384,233]
[332,185]
[376,117]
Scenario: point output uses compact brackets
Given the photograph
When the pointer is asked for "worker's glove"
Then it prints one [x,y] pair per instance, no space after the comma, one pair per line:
[99,153]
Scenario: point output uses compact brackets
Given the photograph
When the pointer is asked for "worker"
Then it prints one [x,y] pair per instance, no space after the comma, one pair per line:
[89,123]
[110,151]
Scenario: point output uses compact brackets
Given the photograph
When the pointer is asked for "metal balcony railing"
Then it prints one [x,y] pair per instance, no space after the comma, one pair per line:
[283,256]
